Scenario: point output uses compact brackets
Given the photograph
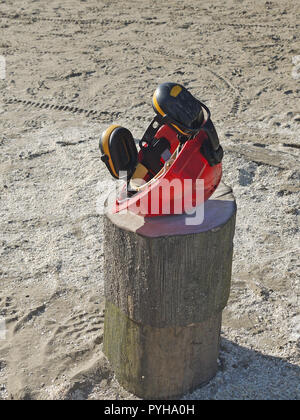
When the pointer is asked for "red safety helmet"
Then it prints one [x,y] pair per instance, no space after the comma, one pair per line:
[179,148]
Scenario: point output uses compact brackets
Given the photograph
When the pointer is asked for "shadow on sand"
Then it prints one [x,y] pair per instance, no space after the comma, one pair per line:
[246,374]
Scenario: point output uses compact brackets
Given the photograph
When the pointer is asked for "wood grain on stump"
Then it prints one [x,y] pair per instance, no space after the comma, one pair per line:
[166,284]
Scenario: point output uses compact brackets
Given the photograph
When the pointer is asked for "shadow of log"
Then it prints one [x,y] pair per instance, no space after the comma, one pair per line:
[246,374]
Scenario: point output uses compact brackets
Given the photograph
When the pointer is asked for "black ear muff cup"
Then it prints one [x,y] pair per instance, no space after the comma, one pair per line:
[181,107]
[119,151]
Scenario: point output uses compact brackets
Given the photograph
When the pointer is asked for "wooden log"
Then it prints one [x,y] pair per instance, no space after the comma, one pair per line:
[166,284]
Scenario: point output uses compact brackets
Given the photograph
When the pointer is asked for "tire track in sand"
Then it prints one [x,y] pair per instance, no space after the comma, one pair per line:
[235,92]
[88,113]
[125,22]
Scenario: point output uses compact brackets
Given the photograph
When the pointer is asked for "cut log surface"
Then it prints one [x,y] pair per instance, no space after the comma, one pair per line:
[166,284]
[162,272]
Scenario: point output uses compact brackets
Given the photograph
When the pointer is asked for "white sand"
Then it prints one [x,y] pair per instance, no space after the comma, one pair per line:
[106,58]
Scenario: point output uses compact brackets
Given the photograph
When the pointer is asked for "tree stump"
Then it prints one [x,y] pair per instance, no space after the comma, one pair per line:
[166,284]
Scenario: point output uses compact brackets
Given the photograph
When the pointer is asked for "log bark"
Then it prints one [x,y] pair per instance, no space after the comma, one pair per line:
[166,284]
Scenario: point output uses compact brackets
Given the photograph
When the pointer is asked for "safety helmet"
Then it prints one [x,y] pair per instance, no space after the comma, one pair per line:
[180,143]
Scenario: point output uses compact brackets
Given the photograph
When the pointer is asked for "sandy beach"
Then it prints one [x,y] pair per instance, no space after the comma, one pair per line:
[71,69]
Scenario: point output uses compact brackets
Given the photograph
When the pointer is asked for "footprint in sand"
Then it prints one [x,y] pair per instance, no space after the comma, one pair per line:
[77,337]
[8,310]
